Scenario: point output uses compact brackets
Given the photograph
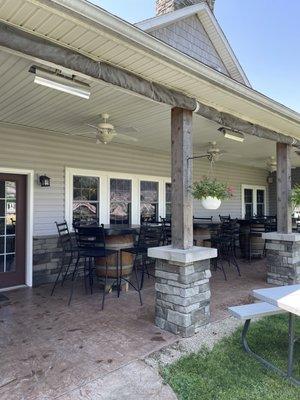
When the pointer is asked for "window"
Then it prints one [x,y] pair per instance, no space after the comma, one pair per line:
[120,201]
[149,201]
[254,201]
[115,198]
[168,200]
[85,198]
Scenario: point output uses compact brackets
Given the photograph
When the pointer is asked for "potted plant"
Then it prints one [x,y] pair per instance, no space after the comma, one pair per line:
[211,192]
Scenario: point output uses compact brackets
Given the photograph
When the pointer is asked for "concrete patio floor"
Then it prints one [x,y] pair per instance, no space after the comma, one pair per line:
[51,351]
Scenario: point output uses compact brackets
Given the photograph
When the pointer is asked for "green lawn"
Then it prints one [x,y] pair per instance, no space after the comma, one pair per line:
[229,373]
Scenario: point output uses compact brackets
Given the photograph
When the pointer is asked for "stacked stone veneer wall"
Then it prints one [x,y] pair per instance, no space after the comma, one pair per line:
[182,296]
[283,262]
[47,255]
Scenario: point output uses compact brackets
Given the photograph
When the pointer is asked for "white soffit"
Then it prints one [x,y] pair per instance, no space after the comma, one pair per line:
[86,28]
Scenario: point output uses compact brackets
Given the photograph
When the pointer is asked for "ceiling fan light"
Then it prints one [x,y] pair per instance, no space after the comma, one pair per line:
[105,136]
[231,134]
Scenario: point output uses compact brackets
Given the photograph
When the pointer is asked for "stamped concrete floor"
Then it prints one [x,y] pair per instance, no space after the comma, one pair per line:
[51,351]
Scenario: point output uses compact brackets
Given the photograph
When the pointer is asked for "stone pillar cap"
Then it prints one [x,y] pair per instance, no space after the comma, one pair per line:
[191,255]
[282,237]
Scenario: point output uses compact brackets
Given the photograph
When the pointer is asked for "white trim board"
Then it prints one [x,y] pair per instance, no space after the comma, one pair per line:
[29,219]
[104,201]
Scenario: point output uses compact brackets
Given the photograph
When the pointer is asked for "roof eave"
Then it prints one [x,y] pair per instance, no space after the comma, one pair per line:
[87,13]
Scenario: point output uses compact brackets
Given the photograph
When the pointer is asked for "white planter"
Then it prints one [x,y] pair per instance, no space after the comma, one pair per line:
[211,203]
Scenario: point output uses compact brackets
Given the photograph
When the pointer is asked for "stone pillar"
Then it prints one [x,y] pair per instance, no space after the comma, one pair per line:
[182,288]
[283,258]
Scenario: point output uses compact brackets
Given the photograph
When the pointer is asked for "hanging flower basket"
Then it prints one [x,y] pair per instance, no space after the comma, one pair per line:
[211,203]
[211,192]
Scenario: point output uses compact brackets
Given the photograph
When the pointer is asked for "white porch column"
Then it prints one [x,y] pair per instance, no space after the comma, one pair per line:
[182,271]
[283,246]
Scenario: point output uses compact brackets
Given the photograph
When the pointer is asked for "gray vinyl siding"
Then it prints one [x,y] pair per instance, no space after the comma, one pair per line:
[190,37]
[51,154]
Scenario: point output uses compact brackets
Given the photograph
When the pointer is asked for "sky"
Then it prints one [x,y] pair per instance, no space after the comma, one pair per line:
[264,34]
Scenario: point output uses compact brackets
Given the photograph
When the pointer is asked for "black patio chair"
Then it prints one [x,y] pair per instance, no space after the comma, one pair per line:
[225,241]
[91,245]
[167,231]
[69,252]
[149,236]
[225,218]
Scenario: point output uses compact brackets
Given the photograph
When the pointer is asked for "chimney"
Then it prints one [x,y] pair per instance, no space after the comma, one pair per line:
[166,6]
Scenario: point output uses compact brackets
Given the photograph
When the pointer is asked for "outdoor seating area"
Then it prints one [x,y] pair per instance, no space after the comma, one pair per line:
[115,257]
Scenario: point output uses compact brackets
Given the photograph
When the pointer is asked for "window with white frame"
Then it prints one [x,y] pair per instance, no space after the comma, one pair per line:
[114,198]
[168,195]
[85,203]
[149,201]
[253,201]
[120,201]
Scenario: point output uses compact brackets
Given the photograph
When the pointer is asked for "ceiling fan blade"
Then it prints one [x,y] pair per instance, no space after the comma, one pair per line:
[126,129]
[81,133]
[92,126]
[126,137]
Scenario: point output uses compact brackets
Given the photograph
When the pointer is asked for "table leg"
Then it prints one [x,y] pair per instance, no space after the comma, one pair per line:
[291,345]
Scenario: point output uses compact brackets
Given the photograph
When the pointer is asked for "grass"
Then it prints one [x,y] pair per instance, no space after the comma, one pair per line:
[229,373]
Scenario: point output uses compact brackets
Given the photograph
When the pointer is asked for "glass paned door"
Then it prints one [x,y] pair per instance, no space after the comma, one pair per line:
[12,229]
[260,203]
[254,200]
[248,196]
[149,201]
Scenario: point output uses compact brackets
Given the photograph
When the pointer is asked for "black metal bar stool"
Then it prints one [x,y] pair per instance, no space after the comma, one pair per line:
[91,245]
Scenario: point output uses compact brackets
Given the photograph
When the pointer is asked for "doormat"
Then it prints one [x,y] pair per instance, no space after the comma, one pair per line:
[3,298]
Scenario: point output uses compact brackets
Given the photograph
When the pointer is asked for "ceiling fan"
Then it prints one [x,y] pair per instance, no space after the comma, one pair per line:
[271,164]
[212,152]
[106,132]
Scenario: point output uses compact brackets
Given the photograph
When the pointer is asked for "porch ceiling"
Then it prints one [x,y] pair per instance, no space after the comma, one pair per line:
[25,104]
[94,32]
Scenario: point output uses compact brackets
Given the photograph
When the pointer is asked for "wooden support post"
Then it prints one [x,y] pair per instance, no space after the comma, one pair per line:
[284,211]
[182,201]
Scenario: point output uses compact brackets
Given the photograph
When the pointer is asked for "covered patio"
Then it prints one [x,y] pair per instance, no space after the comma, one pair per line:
[172,109]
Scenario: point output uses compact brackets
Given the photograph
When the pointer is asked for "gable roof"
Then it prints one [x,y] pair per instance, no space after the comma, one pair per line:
[212,28]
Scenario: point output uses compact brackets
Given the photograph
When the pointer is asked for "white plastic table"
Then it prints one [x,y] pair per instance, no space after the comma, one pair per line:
[288,299]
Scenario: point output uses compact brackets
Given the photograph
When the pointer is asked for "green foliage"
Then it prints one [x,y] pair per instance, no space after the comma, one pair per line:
[295,196]
[211,188]
[229,373]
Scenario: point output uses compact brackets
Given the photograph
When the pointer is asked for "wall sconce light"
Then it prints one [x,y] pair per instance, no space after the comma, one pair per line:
[44,181]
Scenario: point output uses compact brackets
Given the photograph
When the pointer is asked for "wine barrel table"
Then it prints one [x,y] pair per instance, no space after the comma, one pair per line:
[204,230]
[117,237]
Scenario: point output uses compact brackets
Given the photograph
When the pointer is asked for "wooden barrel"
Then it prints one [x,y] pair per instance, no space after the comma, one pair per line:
[116,242]
[201,234]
